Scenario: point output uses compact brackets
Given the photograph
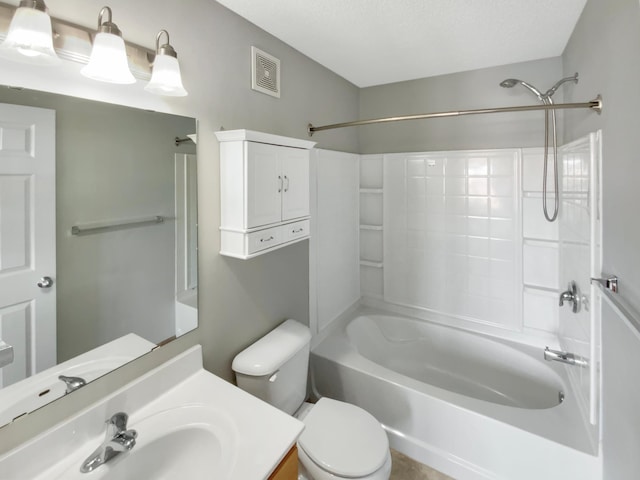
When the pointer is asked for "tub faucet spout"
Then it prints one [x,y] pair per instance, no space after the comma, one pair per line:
[564,357]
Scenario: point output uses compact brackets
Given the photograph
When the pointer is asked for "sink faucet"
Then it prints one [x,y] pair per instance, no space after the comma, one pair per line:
[73,383]
[117,440]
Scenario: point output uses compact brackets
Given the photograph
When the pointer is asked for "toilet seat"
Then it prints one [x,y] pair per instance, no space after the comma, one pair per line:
[343,439]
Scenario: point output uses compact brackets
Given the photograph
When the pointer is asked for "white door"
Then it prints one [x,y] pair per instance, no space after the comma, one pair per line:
[295,174]
[27,239]
[264,184]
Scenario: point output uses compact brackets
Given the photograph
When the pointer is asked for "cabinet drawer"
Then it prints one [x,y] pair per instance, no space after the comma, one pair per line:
[264,239]
[291,231]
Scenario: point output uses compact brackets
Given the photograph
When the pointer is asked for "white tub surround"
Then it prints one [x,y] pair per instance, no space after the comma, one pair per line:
[333,248]
[250,437]
[472,406]
[580,227]
[462,234]
[451,233]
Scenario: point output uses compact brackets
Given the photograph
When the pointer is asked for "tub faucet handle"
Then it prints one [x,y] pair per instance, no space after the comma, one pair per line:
[572,294]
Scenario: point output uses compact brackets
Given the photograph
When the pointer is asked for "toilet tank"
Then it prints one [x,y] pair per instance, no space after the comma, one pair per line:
[274,368]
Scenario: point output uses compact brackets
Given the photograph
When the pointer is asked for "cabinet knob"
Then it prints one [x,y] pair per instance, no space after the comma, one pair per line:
[286,188]
[280,179]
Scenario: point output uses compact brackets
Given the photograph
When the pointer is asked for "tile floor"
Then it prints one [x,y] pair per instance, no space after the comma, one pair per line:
[405,468]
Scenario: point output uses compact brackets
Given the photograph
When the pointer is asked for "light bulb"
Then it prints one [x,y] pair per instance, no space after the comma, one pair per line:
[29,39]
[166,78]
[108,61]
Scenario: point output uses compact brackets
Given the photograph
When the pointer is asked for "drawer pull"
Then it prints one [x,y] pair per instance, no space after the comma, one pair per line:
[298,230]
[266,239]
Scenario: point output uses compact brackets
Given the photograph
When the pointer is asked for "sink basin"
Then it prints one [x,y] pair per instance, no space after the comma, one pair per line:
[194,442]
[190,425]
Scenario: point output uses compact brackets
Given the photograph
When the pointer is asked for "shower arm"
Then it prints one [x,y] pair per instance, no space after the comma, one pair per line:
[594,105]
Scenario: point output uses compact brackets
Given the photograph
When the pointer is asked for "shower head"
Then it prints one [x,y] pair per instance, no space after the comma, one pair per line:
[547,100]
[509,83]
[512,82]
[553,89]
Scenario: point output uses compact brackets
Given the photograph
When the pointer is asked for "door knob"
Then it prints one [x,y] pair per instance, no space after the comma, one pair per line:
[45,282]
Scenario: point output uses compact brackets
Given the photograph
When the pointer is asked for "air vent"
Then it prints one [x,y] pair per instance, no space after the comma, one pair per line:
[265,73]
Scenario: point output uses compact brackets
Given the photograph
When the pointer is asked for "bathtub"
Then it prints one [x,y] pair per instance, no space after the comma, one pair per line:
[470,405]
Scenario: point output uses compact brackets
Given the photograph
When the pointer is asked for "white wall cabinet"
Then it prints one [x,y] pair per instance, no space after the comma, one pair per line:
[264,186]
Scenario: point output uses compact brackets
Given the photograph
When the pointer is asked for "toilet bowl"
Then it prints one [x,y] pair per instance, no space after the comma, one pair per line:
[340,440]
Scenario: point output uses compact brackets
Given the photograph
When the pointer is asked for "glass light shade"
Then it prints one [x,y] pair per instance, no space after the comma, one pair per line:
[165,78]
[108,60]
[29,39]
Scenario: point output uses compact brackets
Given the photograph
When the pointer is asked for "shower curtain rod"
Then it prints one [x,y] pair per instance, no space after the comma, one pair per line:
[595,105]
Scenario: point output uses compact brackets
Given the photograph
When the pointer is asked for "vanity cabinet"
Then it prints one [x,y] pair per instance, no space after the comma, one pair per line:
[264,189]
[288,467]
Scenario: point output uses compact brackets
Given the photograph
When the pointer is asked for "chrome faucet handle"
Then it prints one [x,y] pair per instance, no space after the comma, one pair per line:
[572,294]
[123,441]
[117,423]
[566,296]
[117,432]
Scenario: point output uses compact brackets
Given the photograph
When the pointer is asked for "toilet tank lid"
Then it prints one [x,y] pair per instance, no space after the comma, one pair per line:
[268,354]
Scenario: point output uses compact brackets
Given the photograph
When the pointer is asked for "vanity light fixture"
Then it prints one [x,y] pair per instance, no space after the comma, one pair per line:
[29,39]
[165,77]
[29,34]
[108,60]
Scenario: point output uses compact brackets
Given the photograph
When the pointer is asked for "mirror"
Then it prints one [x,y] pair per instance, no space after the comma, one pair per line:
[98,240]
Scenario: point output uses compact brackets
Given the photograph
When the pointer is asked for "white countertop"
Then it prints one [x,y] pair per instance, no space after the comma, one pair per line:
[262,434]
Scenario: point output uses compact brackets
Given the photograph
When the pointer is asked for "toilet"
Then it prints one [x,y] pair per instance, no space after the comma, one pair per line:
[339,440]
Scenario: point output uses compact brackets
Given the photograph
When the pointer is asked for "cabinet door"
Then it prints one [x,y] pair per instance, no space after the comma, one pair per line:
[295,174]
[264,184]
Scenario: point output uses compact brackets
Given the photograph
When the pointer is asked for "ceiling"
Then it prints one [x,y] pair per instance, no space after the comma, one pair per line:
[374,42]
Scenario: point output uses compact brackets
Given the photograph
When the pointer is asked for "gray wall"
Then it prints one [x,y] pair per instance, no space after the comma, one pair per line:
[604,49]
[621,396]
[458,91]
[238,300]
